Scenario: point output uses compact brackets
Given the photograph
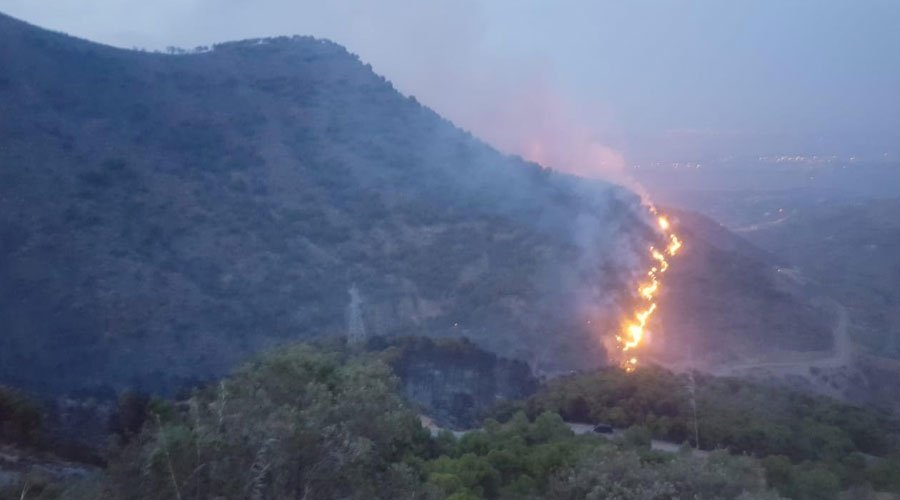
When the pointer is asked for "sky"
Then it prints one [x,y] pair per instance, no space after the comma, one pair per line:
[592,87]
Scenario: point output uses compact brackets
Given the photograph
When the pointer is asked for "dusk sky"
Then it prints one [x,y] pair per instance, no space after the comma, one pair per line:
[584,86]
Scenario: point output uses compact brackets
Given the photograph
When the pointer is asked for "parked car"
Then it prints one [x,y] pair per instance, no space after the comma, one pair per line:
[603,429]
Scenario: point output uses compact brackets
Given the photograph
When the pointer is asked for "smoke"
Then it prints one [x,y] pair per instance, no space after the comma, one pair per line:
[517,106]
[540,122]
[465,67]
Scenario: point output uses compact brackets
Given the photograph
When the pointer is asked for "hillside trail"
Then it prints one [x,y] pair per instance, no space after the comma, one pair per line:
[842,354]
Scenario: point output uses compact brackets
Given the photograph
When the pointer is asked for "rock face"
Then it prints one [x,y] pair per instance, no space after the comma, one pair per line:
[454,381]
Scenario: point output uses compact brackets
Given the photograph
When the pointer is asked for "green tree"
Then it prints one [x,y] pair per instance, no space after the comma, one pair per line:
[297,422]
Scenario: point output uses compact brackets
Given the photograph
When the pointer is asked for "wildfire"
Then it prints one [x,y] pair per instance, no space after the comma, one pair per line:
[634,329]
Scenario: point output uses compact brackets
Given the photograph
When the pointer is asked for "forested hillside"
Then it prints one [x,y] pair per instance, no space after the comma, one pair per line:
[164,216]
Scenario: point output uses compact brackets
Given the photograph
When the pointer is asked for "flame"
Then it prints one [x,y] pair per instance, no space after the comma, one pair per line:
[634,329]
[663,223]
[648,291]
[674,245]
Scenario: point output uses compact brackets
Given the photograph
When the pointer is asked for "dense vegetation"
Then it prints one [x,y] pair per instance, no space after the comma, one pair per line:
[308,422]
[810,446]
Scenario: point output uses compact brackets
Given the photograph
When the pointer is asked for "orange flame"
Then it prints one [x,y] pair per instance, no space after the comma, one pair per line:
[663,223]
[633,330]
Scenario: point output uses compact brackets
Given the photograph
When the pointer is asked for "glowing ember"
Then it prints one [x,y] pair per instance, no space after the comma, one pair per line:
[633,330]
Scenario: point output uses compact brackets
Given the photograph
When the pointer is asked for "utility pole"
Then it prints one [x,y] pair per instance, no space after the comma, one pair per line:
[692,389]
[356,327]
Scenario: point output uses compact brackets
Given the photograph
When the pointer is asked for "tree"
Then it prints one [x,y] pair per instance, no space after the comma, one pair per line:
[297,423]
[20,419]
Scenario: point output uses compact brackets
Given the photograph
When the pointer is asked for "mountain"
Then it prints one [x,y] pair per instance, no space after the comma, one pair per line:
[164,216]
